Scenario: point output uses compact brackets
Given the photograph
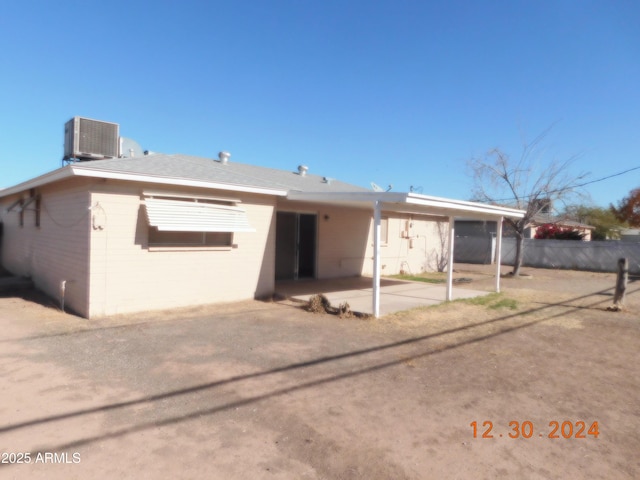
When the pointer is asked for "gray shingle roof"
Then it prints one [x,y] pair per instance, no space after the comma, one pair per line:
[542,218]
[188,167]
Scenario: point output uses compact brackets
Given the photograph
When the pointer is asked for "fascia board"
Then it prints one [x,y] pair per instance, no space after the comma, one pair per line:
[54,176]
[438,211]
[70,171]
[348,197]
[398,201]
[89,172]
[461,207]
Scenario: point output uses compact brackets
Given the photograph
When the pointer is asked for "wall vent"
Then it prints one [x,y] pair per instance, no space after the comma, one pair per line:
[86,139]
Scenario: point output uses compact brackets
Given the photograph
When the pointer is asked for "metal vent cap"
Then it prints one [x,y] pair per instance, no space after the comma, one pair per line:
[223,157]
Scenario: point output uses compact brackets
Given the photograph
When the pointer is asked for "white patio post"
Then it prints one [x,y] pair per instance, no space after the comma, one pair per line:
[377,215]
[450,262]
[498,252]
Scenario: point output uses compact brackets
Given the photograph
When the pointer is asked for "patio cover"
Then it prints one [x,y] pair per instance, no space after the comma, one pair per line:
[418,204]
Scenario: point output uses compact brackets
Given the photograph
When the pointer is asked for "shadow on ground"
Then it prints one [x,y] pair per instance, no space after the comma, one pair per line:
[505,324]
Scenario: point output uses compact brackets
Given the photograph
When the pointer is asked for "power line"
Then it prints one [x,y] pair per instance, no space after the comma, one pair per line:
[608,177]
[573,186]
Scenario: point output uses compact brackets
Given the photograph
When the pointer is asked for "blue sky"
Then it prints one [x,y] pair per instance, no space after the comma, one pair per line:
[394,92]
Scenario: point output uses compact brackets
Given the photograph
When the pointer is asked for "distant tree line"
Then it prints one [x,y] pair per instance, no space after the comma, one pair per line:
[628,210]
[608,221]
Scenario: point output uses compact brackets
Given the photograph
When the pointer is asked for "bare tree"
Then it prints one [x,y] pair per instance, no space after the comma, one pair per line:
[438,258]
[527,183]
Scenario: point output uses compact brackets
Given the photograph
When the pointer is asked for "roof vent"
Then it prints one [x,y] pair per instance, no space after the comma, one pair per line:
[223,157]
[327,180]
[302,170]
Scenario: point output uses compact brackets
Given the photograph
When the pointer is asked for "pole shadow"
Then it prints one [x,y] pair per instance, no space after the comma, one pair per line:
[171,420]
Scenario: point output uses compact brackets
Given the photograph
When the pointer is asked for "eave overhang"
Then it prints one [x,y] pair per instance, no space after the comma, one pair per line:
[75,170]
[412,203]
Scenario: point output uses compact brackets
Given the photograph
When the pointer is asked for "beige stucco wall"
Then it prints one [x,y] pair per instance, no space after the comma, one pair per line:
[345,240]
[56,251]
[342,237]
[415,243]
[94,236]
[126,275]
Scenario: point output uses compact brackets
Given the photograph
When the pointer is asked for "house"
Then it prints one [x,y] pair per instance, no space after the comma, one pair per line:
[159,231]
[476,239]
[543,219]
[482,228]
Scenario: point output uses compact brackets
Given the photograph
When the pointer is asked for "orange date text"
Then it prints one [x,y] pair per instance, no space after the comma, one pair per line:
[527,429]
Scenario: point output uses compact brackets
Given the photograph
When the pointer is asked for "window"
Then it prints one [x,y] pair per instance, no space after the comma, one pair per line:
[384,230]
[178,221]
[159,238]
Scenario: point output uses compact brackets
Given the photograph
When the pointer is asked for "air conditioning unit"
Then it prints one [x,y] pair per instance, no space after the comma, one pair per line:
[86,139]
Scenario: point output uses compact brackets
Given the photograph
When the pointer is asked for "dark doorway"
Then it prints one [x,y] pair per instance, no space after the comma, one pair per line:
[306,245]
[295,245]
[285,245]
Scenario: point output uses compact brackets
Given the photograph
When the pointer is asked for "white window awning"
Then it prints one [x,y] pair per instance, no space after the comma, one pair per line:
[189,215]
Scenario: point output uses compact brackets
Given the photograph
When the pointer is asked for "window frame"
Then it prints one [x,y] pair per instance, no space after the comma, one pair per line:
[159,239]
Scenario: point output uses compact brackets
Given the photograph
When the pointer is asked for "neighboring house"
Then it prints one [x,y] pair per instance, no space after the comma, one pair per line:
[543,219]
[160,231]
[476,239]
[466,227]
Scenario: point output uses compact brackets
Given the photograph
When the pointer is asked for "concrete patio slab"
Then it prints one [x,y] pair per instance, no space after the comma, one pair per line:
[395,295]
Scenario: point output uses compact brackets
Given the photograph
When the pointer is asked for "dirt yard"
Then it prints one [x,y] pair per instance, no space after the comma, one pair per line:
[268,391]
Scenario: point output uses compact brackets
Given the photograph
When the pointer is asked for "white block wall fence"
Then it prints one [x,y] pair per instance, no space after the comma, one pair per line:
[592,256]
[595,256]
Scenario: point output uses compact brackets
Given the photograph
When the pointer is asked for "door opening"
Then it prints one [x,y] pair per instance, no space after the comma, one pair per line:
[295,245]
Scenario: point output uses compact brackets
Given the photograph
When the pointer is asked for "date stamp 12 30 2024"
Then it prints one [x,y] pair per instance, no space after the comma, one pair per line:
[555,429]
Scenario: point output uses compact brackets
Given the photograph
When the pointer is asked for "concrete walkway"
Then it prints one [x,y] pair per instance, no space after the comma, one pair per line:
[395,295]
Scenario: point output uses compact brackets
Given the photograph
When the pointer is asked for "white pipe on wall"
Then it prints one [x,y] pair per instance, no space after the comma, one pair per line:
[63,288]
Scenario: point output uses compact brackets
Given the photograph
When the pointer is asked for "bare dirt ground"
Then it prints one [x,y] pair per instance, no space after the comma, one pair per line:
[268,391]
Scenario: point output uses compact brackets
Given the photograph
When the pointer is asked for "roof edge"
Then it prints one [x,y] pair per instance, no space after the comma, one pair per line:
[159,179]
[50,177]
[74,170]
[416,200]
[419,199]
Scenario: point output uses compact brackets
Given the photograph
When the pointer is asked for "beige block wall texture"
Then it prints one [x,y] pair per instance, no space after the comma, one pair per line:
[127,276]
[93,235]
[345,241]
[58,250]
[342,237]
[414,244]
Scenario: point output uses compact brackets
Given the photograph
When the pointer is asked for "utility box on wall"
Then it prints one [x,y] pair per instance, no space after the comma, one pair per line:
[86,139]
